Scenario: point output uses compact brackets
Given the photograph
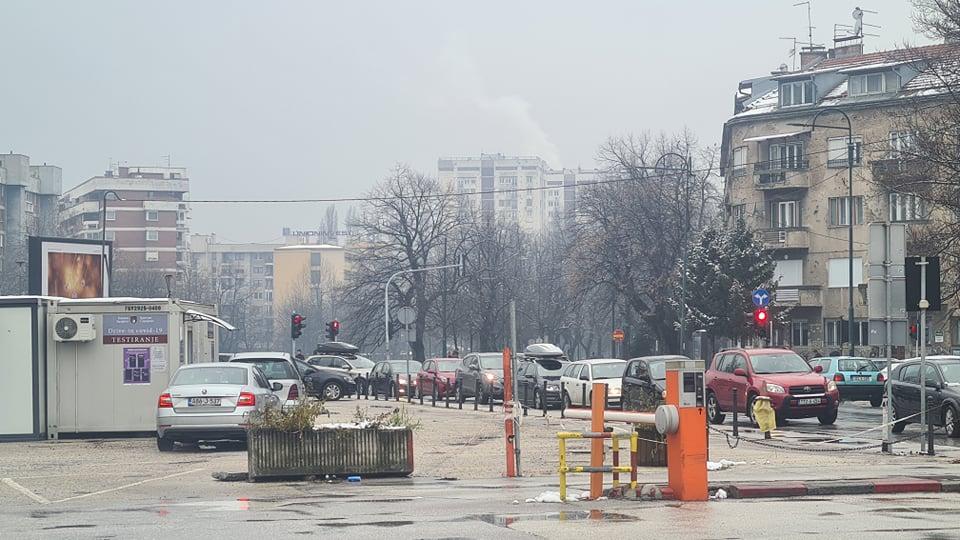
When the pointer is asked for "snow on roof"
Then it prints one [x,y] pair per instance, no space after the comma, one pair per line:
[309,247]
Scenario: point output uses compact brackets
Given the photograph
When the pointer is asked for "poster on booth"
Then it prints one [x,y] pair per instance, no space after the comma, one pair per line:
[136,365]
[134,329]
[158,359]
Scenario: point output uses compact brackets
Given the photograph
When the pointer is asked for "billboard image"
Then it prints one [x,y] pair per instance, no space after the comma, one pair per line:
[67,268]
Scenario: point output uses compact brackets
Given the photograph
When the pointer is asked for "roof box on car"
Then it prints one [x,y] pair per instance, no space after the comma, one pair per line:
[336,347]
[543,350]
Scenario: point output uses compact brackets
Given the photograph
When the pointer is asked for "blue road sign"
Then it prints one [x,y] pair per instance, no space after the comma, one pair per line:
[761,298]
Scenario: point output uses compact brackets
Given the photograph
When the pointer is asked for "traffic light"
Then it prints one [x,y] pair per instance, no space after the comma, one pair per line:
[333,328]
[760,317]
[296,325]
[913,331]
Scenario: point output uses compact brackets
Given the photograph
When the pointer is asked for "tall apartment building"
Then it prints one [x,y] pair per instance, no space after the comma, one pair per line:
[149,228]
[790,181]
[521,190]
[28,207]
[243,277]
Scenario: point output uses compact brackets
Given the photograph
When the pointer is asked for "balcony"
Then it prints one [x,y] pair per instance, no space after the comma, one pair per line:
[799,295]
[796,238]
[892,172]
[781,174]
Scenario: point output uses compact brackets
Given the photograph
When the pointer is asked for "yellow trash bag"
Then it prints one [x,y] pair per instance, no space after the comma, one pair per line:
[764,414]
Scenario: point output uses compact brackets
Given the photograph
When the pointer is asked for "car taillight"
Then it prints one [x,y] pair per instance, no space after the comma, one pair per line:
[838,377]
[246,399]
[165,402]
[880,377]
[294,392]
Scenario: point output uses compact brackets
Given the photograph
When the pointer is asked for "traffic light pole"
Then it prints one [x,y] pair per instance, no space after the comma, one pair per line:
[924,304]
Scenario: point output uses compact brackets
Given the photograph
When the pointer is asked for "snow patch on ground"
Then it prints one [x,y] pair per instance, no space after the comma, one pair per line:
[723,464]
[554,497]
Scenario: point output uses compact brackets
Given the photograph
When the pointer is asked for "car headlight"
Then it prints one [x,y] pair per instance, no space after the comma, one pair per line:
[831,386]
[490,377]
[773,388]
[552,388]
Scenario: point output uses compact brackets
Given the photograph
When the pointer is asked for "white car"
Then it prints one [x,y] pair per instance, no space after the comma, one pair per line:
[579,376]
[278,367]
[207,402]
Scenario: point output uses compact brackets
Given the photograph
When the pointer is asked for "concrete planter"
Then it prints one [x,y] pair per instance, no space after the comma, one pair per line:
[341,452]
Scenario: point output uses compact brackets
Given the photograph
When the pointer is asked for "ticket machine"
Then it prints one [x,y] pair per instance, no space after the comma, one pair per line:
[683,419]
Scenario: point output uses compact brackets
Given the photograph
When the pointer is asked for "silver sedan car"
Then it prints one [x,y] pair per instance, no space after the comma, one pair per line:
[207,402]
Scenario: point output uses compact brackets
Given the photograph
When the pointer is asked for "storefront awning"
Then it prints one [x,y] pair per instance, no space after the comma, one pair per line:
[776,136]
[198,316]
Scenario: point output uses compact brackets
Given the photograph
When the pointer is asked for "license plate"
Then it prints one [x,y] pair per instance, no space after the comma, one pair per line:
[809,401]
[860,378]
[203,402]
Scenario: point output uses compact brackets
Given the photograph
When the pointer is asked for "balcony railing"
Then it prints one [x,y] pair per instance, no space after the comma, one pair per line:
[794,238]
[799,295]
[777,174]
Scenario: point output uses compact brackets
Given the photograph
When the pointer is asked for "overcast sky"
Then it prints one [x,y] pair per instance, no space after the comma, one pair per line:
[284,99]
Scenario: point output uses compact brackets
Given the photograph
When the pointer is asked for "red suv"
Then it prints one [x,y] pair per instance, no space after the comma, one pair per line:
[795,390]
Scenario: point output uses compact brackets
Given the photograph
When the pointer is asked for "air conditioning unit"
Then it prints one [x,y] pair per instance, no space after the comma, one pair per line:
[782,236]
[74,328]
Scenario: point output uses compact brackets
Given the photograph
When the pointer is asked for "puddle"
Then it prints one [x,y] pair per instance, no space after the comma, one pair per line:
[58,527]
[916,510]
[368,524]
[573,515]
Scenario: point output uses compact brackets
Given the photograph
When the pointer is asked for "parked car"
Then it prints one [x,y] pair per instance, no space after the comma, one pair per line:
[206,402]
[536,375]
[278,367]
[644,382]
[487,368]
[385,375]
[325,383]
[795,389]
[578,378]
[441,370]
[358,367]
[943,393]
[858,379]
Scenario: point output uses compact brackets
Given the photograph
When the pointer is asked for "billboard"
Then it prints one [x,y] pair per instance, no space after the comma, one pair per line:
[68,267]
[134,329]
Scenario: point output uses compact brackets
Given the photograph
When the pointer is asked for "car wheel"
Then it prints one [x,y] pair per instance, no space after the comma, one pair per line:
[827,419]
[876,401]
[458,392]
[164,444]
[484,398]
[753,420]
[713,409]
[951,421]
[332,391]
[898,425]
[566,401]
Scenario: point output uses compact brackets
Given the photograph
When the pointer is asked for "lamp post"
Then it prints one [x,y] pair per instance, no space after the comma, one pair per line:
[687,170]
[104,266]
[850,214]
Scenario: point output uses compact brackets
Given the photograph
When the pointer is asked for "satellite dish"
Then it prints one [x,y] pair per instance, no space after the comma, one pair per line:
[857,21]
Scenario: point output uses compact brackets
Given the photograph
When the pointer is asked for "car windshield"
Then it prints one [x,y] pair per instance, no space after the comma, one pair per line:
[360,362]
[447,365]
[491,361]
[778,363]
[611,370]
[549,367]
[951,372]
[400,366]
[210,375]
[271,367]
[658,370]
[304,367]
[857,364]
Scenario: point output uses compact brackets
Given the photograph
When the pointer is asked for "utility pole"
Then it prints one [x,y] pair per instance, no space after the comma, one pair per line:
[924,304]
[443,310]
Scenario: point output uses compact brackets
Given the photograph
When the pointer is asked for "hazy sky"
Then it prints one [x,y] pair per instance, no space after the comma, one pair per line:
[284,99]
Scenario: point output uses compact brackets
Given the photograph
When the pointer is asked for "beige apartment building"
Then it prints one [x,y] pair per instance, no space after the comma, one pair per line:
[790,182]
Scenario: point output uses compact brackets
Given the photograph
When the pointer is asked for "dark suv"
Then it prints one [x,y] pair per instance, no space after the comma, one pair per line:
[795,390]
[538,382]
[943,395]
[644,381]
[484,367]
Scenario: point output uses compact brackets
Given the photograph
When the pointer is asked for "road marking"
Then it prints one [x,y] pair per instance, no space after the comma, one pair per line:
[141,482]
[37,498]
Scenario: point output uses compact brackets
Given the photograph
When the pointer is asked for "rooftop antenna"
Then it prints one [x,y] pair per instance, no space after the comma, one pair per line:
[167,157]
[809,22]
[843,33]
[793,51]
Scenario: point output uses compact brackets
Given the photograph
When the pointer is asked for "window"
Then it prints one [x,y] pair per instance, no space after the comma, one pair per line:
[740,161]
[796,93]
[315,277]
[789,273]
[151,256]
[508,180]
[901,142]
[529,180]
[784,214]
[837,151]
[111,215]
[840,211]
[869,83]
[835,332]
[905,207]
[110,235]
[315,259]
[153,215]
[911,374]
[824,363]
[786,156]
[838,272]
[799,333]
[153,236]
[738,212]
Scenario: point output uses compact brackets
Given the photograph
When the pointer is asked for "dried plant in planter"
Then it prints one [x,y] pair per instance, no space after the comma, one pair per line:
[299,418]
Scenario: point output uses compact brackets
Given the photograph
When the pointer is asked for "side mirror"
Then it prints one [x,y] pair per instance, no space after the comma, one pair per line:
[818,368]
[276,387]
[740,372]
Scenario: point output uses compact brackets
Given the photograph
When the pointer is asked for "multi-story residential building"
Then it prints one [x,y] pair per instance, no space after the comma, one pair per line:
[521,190]
[790,181]
[242,276]
[149,227]
[28,207]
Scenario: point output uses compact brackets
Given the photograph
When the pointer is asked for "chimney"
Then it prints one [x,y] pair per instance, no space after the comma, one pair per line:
[811,56]
[846,51]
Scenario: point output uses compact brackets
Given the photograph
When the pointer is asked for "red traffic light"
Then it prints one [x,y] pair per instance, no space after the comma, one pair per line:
[298,319]
[760,316]
[335,325]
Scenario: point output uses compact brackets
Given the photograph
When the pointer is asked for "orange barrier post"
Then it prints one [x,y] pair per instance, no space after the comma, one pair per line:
[686,446]
[597,406]
[509,435]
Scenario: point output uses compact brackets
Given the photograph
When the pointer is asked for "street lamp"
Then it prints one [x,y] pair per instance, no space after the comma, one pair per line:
[850,214]
[104,266]
[687,170]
